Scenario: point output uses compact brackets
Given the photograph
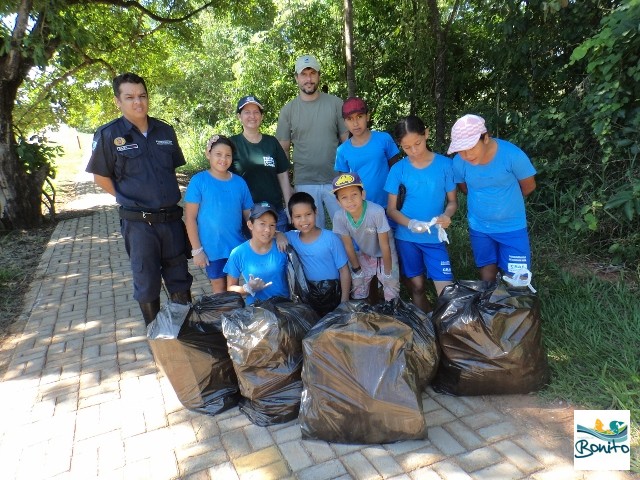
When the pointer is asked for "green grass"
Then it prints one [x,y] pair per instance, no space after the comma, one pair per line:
[591,331]
[6,275]
[591,325]
[77,148]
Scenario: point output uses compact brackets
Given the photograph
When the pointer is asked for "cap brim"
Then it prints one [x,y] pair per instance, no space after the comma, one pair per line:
[463,144]
[253,216]
[348,114]
[345,186]
[239,109]
[312,67]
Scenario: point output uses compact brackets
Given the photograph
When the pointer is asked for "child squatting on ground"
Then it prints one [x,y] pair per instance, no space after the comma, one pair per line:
[216,203]
[496,176]
[363,227]
[418,187]
[258,260]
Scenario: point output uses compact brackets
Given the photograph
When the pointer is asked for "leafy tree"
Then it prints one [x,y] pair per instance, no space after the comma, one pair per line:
[55,52]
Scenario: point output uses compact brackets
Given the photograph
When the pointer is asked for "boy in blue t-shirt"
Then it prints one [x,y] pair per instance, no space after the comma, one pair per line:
[367,153]
[496,176]
[258,260]
[321,253]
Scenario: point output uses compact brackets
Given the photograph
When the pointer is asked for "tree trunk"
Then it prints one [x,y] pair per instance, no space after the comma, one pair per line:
[20,192]
[440,34]
[348,48]
[440,71]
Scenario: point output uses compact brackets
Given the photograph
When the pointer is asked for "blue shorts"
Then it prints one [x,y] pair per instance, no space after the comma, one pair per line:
[509,250]
[215,269]
[415,258]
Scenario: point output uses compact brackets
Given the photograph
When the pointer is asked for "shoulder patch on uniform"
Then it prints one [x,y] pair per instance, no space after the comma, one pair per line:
[94,145]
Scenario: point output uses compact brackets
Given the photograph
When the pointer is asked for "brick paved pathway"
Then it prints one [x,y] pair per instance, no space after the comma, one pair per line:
[82,398]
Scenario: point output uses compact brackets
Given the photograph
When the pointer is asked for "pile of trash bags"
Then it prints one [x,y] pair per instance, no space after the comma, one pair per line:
[490,334]
[358,374]
[364,372]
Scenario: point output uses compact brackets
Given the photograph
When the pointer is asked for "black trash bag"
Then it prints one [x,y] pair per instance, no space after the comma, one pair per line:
[298,288]
[427,357]
[364,372]
[265,345]
[324,295]
[197,362]
[490,335]
[168,321]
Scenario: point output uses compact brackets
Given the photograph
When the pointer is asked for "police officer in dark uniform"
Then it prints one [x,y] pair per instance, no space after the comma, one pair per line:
[134,158]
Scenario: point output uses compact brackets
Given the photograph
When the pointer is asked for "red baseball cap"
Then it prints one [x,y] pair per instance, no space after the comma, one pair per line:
[354,105]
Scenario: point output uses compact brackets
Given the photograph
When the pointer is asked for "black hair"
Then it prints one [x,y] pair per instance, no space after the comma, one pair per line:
[126,78]
[301,197]
[406,125]
[217,139]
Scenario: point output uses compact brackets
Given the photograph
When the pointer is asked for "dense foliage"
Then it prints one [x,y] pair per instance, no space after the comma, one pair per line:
[558,77]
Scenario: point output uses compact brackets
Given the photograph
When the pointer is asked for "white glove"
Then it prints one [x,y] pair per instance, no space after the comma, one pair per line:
[417,226]
[200,259]
[357,279]
[442,234]
[521,278]
[390,282]
[254,285]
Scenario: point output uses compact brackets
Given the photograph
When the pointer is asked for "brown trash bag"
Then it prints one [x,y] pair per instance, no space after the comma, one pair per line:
[364,372]
[265,345]
[490,335]
[197,363]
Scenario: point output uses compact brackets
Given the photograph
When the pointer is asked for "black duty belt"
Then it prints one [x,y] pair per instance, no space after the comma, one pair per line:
[163,215]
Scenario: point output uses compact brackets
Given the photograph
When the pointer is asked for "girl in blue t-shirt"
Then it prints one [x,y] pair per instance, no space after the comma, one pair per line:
[496,176]
[216,203]
[258,260]
[422,199]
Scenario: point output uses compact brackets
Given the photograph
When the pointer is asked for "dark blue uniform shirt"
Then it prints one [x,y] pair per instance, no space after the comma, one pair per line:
[142,168]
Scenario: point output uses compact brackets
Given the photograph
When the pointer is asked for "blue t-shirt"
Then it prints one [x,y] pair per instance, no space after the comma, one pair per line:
[270,267]
[370,161]
[427,190]
[495,203]
[322,258]
[220,213]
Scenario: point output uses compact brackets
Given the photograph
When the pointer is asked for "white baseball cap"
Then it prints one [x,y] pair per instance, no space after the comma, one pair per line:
[466,132]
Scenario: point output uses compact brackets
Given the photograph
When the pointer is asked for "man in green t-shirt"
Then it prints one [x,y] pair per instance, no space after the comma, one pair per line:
[312,123]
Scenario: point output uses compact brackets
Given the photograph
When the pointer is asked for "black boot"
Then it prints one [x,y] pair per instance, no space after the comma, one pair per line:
[150,310]
[183,298]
